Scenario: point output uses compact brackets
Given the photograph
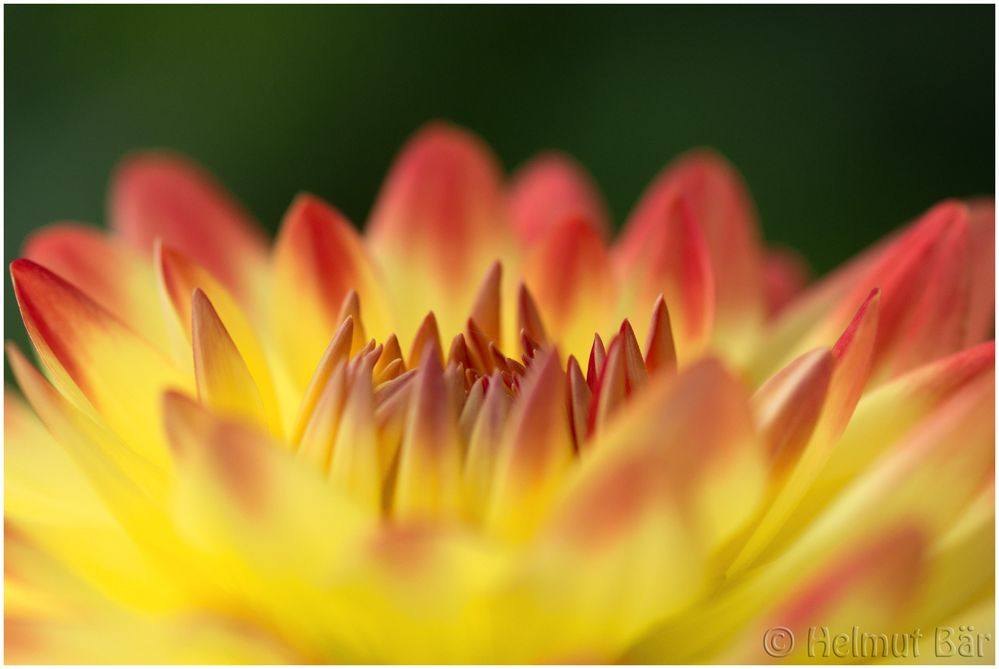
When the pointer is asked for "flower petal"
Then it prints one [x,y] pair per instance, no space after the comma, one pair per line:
[43,484]
[484,445]
[355,466]
[789,405]
[438,225]
[535,452]
[162,196]
[429,478]
[550,189]
[93,355]
[868,588]
[852,353]
[716,202]
[924,276]
[180,279]
[981,311]
[224,381]
[318,259]
[636,529]
[568,273]
[660,352]
[884,415]
[924,486]
[110,273]
[672,260]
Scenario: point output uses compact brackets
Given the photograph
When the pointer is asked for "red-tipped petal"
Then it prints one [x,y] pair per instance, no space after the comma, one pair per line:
[318,260]
[112,274]
[569,275]
[924,275]
[719,206]
[437,225]
[550,189]
[161,196]
[89,351]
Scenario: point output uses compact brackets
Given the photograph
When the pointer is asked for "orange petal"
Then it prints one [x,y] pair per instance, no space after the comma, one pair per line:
[90,352]
[549,190]
[161,196]
[318,260]
[528,317]
[110,273]
[660,353]
[438,225]
[391,353]
[579,398]
[635,374]
[486,308]
[569,275]
[427,337]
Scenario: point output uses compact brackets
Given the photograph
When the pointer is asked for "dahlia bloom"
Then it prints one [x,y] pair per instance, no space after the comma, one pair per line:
[483,432]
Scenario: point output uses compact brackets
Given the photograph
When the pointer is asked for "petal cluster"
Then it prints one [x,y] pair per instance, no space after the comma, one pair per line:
[484,431]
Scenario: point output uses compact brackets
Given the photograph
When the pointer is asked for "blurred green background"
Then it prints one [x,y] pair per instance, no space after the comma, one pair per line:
[845,121]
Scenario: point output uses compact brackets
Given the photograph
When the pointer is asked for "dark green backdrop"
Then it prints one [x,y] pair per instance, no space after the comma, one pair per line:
[845,121]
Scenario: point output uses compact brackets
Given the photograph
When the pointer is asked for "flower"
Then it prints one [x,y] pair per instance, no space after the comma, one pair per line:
[412,447]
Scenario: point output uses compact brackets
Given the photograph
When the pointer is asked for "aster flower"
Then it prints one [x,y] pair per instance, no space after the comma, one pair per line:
[484,432]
